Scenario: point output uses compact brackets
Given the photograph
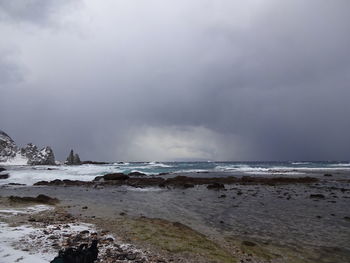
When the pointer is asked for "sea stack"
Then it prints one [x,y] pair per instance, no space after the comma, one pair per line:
[73,159]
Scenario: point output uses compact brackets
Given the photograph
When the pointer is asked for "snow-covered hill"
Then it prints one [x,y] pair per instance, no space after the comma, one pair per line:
[11,154]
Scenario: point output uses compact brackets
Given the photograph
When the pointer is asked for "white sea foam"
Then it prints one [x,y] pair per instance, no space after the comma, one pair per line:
[30,174]
[341,165]
[145,189]
[17,160]
[24,210]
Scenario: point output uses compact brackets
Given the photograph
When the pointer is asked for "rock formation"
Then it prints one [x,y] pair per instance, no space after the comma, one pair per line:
[30,154]
[73,159]
[8,148]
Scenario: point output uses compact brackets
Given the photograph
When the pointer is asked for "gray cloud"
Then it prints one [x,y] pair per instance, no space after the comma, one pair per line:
[192,79]
[31,11]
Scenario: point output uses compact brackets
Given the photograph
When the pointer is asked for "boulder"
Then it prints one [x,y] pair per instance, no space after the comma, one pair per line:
[115,176]
[137,174]
[4,176]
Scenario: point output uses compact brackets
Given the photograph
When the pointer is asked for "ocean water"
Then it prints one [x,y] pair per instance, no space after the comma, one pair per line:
[284,215]
[30,174]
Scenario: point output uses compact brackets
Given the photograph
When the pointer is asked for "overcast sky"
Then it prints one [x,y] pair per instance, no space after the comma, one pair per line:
[178,80]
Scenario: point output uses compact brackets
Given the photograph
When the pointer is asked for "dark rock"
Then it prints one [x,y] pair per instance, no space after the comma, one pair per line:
[93,162]
[82,254]
[328,175]
[248,243]
[4,176]
[216,186]
[319,196]
[115,176]
[2,169]
[84,207]
[43,199]
[222,196]
[76,159]
[137,174]
[347,218]
[66,182]
[131,257]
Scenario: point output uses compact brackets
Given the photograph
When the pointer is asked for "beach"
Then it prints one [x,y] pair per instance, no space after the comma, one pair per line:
[255,218]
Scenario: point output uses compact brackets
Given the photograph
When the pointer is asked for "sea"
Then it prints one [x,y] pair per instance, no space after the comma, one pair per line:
[28,175]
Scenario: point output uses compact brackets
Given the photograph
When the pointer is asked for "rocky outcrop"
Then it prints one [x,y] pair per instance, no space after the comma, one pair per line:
[41,199]
[73,159]
[215,183]
[30,154]
[45,156]
[8,148]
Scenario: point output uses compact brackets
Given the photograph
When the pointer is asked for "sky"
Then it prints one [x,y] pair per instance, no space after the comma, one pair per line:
[160,80]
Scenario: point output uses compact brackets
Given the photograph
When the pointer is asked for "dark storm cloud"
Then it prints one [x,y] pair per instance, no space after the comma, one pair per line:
[32,11]
[222,80]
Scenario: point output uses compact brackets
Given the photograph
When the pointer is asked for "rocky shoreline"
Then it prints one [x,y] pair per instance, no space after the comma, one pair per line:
[179,218]
[54,229]
[141,180]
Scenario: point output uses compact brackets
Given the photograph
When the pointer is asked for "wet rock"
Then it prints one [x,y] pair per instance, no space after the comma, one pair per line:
[216,186]
[4,176]
[328,175]
[248,243]
[43,199]
[222,196]
[187,185]
[93,162]
[317,196]
[131,256]
[115,176]
[2,169]
[65,182]
[137,174]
